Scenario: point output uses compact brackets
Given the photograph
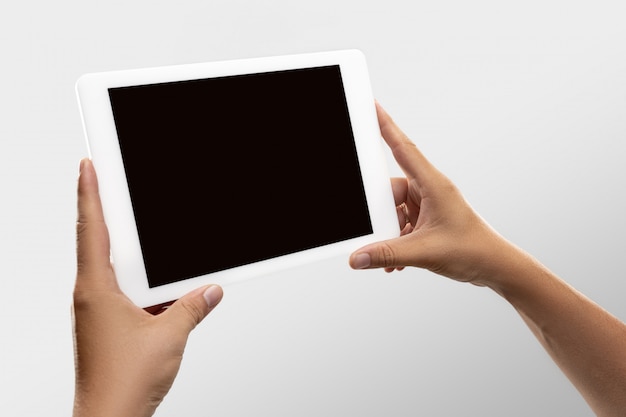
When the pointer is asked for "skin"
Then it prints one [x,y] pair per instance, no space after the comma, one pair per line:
[441,232]
[126,358]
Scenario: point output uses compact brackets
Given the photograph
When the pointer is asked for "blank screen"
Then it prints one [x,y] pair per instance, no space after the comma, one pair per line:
[228,171]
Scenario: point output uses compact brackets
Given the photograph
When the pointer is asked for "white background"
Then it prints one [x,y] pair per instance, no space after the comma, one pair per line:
[522,104]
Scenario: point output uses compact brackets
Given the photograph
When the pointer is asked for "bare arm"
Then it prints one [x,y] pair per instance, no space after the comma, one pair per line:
[585,341]
[442,233]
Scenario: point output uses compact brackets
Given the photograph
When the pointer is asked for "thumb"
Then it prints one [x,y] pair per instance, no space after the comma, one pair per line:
[386,254]
[188,311]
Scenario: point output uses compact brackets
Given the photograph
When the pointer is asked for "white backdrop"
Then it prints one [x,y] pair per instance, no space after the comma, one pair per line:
[522,104]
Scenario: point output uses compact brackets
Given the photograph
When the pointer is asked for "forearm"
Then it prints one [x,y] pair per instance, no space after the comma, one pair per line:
[585,341]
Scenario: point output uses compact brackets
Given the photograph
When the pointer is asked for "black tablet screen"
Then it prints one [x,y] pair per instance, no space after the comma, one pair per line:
[227,171]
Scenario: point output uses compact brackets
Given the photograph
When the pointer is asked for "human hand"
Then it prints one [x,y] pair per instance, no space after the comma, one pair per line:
[439,230]
[126,358]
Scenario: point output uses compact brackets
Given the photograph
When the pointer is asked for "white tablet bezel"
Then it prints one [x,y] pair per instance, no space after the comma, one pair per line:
[104,150]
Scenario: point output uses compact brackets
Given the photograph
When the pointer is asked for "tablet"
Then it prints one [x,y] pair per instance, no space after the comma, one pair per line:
[224,171]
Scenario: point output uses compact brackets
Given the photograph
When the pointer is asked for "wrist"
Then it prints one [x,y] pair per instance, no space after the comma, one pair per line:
[514,274]
[505,268]
[111,402]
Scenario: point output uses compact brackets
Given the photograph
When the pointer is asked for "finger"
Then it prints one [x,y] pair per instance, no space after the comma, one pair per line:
[92,237]
[399,187]
[390,254]
[410,159]
[403,218]
[188,311]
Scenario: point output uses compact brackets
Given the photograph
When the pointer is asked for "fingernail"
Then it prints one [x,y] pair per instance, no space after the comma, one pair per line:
[362,261]
[212,295]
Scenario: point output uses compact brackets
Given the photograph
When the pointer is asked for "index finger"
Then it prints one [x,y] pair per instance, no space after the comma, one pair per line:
[412,162]
[92,237]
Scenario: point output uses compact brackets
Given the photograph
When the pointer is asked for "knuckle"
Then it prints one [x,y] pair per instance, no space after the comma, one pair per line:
[386,255]
[81,229]
[192,311]
[79,300]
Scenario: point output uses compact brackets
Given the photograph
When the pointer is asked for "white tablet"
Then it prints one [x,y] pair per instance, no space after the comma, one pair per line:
[223,171]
